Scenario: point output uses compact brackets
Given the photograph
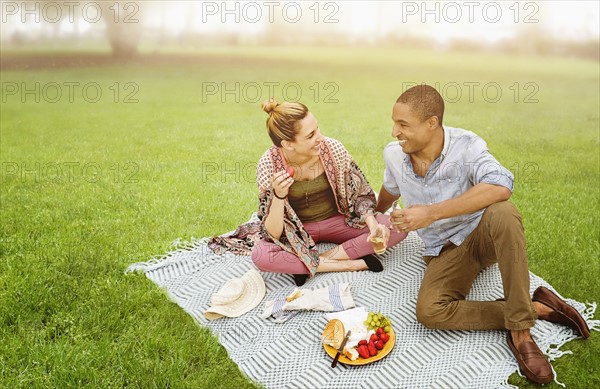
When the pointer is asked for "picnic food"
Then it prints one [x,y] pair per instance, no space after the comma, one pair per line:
[294,295]
[375,320]
[365,345]
[376,338]
[363,351]
[333,335]
[384,337]
[372,349]
[351,353]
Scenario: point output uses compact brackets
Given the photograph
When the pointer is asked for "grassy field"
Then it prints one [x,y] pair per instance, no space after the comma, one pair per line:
[92,183]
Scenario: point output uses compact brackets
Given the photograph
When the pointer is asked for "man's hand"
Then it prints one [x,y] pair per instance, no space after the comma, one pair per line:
[412,218]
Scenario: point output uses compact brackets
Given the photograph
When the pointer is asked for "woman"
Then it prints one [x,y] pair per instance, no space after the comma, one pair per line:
[326,198]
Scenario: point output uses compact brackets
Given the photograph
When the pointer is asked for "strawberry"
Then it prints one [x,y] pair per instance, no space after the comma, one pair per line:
[378,344]
[384,337]
[372,349]
[373,337]
[363,351]
[379,331]
[290,171]
[362,342]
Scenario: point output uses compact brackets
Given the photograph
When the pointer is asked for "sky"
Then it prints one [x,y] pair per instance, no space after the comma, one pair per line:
[487,21]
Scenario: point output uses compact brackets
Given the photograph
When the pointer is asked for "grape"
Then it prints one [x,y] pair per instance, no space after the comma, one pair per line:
[376,320]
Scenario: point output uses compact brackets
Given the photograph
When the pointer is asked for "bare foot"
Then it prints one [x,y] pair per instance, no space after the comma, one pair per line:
[328,265]
[357,265]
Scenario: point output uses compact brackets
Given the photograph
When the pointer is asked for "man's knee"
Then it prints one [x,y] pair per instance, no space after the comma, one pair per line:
[503,209]
[503,215]
[430,313]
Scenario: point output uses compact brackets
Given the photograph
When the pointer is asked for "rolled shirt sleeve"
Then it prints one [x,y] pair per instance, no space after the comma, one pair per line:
[390,184]
[484,168]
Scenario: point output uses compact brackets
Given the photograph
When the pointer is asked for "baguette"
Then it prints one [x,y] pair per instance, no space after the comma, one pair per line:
[333,335]
[294,295]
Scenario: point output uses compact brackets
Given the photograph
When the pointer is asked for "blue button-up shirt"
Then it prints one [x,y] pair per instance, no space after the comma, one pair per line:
[464,162]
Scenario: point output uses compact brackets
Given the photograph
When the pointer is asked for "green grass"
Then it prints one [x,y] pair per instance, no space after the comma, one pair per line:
[134,177]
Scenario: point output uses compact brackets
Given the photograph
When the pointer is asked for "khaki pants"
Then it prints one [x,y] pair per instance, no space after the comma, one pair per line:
[500,238]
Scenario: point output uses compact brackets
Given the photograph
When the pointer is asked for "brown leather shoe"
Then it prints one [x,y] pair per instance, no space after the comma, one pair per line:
[562,313]
[532,363]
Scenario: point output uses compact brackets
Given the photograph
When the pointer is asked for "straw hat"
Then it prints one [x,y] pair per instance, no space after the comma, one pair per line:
[237,296]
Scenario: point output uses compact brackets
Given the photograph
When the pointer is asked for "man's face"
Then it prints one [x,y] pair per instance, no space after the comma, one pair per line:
[412,133]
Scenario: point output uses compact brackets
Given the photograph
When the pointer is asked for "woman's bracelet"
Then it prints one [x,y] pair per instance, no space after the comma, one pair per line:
[280,198]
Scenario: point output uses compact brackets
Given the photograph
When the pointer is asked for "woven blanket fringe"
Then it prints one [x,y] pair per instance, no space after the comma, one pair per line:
[553,352]
[177,246]
[563,336]
[505,383]
[588,315]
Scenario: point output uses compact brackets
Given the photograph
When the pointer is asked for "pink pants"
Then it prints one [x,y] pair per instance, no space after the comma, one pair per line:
[269,257]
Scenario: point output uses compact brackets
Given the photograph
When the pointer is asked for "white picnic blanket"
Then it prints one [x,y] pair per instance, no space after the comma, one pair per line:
[421,358]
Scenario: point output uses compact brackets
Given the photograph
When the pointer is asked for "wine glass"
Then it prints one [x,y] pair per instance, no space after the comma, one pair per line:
[395,207]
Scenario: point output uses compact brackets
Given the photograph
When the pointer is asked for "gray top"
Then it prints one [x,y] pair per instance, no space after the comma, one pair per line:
[464,162]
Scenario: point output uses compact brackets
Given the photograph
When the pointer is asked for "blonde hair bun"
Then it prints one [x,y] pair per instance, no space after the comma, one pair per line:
[269,105]
[283,120]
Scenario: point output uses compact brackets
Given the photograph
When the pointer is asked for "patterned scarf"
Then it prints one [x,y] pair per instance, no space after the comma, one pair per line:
[354,197]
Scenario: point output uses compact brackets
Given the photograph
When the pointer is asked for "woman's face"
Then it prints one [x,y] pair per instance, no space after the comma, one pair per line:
[308,139]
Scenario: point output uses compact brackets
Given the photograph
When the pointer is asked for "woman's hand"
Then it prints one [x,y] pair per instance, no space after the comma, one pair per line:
[281,183]
[379,231]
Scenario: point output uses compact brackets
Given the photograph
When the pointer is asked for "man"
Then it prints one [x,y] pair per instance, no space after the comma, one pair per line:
[455,196]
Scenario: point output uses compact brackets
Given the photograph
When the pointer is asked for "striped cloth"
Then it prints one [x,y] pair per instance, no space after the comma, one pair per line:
[290,355]
[332,298]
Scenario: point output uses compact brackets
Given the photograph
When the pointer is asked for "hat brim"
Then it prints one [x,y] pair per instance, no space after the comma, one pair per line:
[253,294]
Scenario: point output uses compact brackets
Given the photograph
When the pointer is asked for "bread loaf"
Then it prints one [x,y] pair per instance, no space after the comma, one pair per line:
[294,295]
[333,335]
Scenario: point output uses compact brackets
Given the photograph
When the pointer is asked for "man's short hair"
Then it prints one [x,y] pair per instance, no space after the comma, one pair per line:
[423,101]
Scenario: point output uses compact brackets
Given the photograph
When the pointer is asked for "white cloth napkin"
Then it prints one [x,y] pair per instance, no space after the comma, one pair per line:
[353,320]
[337,297]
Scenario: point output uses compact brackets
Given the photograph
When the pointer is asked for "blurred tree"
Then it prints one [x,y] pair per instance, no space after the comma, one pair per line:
[122,26]
[122,19]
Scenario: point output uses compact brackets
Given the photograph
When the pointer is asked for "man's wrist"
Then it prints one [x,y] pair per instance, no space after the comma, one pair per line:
[435,211]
